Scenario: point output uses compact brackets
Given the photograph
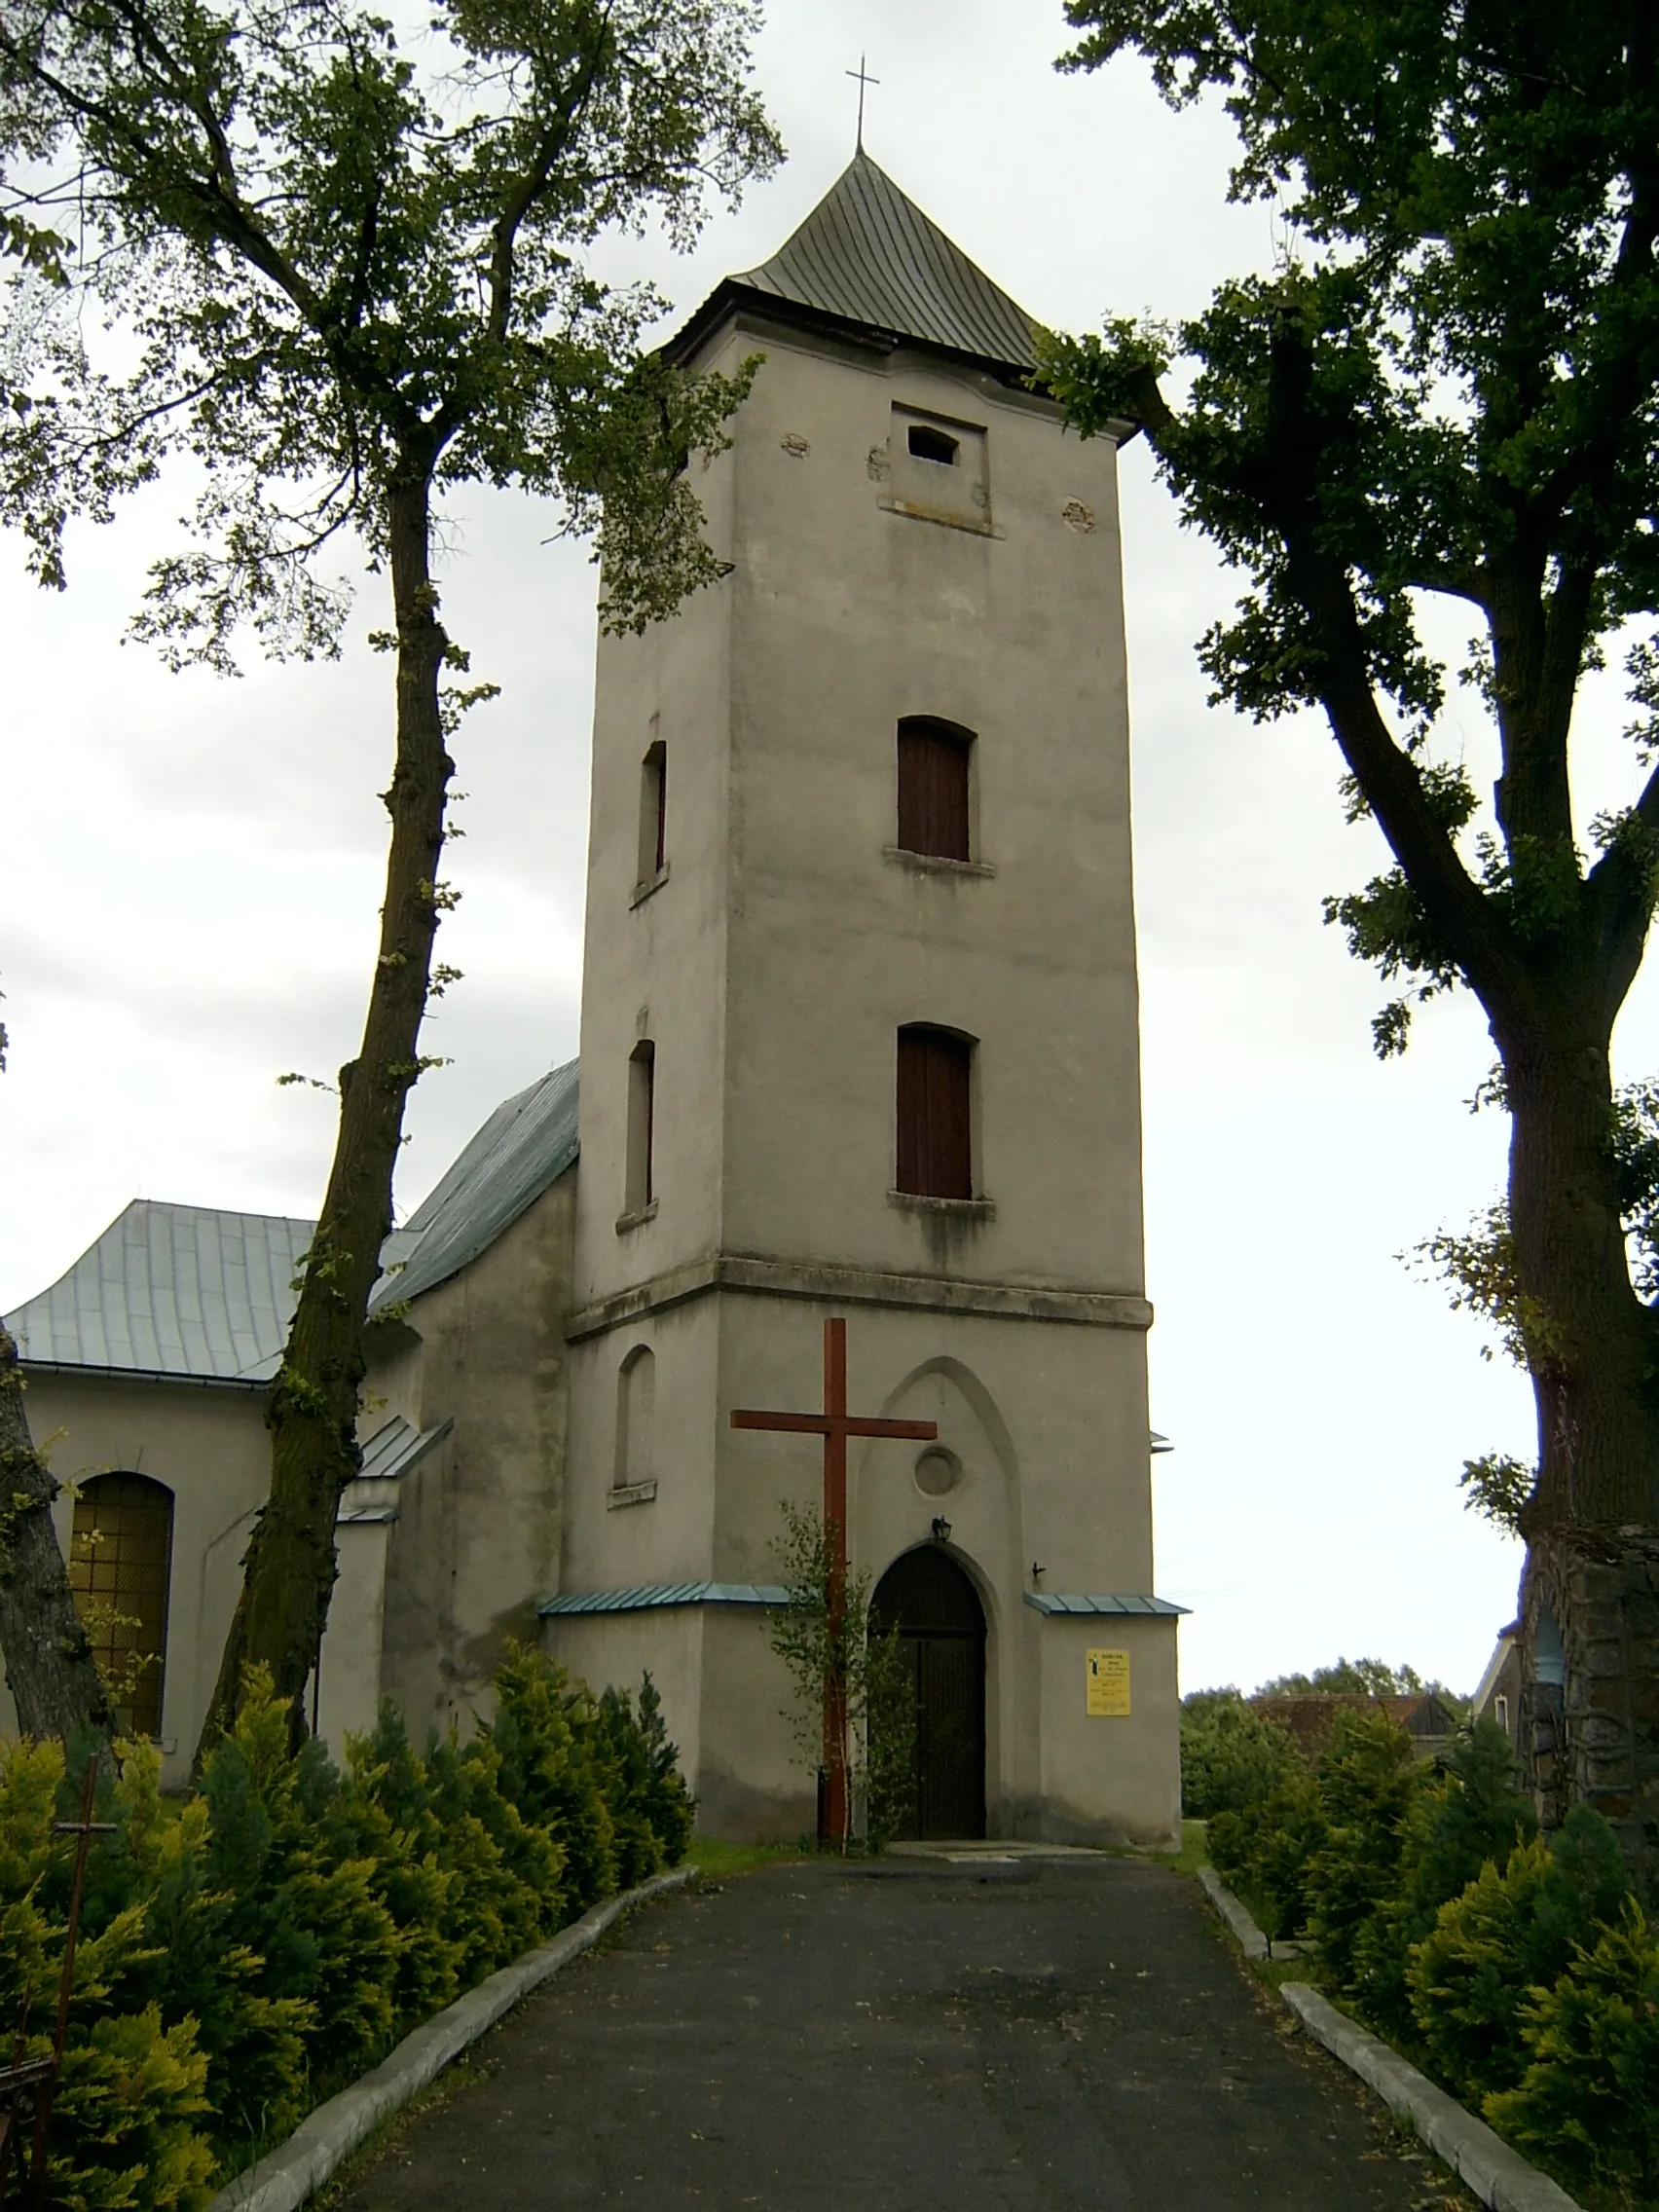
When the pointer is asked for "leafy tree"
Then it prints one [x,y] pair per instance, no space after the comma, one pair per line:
[50,1668]
[1231,1755]
[1446,392]
[347,276]
[1349,1678]
[854,1703]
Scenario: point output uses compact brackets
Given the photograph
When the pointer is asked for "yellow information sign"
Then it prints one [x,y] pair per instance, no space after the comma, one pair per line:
[1108,1686]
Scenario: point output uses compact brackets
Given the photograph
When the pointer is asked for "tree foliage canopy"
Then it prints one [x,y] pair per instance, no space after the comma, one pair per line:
[335,256]
[1445,394]
[1447,388]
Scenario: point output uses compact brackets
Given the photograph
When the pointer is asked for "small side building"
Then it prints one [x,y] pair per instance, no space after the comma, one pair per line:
[1499,1697]
[147,1366]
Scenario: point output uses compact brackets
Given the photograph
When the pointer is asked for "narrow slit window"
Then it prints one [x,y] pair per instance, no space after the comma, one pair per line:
[934,761]
[928,444]
[653,812]
[641,1118]
[934,1140]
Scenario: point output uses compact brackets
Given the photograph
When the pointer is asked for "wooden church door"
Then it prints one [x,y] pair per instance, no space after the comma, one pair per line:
[942,1641]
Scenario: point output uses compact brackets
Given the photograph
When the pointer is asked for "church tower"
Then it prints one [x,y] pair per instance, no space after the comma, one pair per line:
[860,1040]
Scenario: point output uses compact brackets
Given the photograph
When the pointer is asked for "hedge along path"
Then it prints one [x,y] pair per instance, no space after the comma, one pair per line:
[1499,2175]
[286,2177]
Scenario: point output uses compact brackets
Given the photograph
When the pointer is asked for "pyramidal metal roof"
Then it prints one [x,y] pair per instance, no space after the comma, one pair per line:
[868,258]
[176,1291]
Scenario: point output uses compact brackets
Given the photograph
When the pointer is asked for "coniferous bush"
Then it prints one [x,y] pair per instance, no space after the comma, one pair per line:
[1516,1969]
[246,1953]
[1588,2104]
[1466,1813]
[1266,1852]
[1513,1930]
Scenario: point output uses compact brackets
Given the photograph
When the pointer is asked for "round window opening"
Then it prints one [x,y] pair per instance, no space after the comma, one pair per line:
[937,1472]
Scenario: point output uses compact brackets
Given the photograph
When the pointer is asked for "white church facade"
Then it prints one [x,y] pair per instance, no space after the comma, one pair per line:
[860,1041]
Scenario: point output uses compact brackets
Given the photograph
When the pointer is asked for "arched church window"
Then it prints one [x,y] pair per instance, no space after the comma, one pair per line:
[641,1187]
[934,762]
[636,1420]
[120,1566]
[935,1149]
[653,813]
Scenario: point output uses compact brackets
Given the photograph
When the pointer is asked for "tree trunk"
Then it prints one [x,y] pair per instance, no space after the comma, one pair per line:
[289,1568]
[1593,1346]
[50,1669]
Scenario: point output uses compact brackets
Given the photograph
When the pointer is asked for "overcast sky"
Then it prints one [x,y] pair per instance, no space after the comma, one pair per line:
[191,871]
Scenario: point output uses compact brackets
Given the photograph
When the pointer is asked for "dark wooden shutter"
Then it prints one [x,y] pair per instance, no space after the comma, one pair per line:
[661,753]
[647,1070]
[933,789]
[935,1149]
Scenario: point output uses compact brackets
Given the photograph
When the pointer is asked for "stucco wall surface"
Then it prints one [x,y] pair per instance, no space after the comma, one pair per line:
[476,1541]
[207,1445]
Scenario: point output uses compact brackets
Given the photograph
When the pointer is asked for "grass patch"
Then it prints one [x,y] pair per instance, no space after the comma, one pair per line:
[1187,1860]
[710,1855]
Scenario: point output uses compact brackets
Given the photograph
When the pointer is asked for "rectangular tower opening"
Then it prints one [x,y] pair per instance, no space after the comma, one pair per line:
[934,787]
[935,1133]
[653,813]
[642,1115]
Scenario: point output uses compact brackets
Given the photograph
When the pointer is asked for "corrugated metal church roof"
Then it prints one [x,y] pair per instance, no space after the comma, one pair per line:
[193,1294]
[527,1143]
[183,1291]
[868,258]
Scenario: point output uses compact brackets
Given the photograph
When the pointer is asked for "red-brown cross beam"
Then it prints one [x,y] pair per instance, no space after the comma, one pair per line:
[836,1424]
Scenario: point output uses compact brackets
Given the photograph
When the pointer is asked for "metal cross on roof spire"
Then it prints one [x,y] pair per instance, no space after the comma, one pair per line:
[864,80]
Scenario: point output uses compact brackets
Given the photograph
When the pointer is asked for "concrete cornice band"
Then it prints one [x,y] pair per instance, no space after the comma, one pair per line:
[856,1286]
[286,2177]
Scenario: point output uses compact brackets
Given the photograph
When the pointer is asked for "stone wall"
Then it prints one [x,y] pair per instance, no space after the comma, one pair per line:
[1590,1695]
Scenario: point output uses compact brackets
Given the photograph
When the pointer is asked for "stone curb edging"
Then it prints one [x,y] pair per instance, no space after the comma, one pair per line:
[1499,2176]
[284,2178]
[1238,1917]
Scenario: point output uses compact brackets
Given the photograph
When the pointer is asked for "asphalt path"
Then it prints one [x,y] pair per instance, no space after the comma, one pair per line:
[903,2037]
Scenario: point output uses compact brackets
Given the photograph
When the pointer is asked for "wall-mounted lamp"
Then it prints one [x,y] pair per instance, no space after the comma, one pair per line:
[941,1529]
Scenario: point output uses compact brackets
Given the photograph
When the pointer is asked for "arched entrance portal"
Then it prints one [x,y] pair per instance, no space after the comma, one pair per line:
[942,1638]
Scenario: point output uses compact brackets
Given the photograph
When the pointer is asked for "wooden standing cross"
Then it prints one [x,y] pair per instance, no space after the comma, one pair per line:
[836,1424]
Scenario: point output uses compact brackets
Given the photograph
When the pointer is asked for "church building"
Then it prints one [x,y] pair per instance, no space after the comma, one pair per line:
[858,1045]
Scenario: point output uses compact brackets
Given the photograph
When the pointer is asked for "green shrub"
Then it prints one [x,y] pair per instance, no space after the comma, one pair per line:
[1467,1812]
[1266,1852]
[1587,2105]
[1511,1929]
[246,1953]
[554,1765]
[1232,1758]
[132,2088]
[1369,1782]
[656,1810]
